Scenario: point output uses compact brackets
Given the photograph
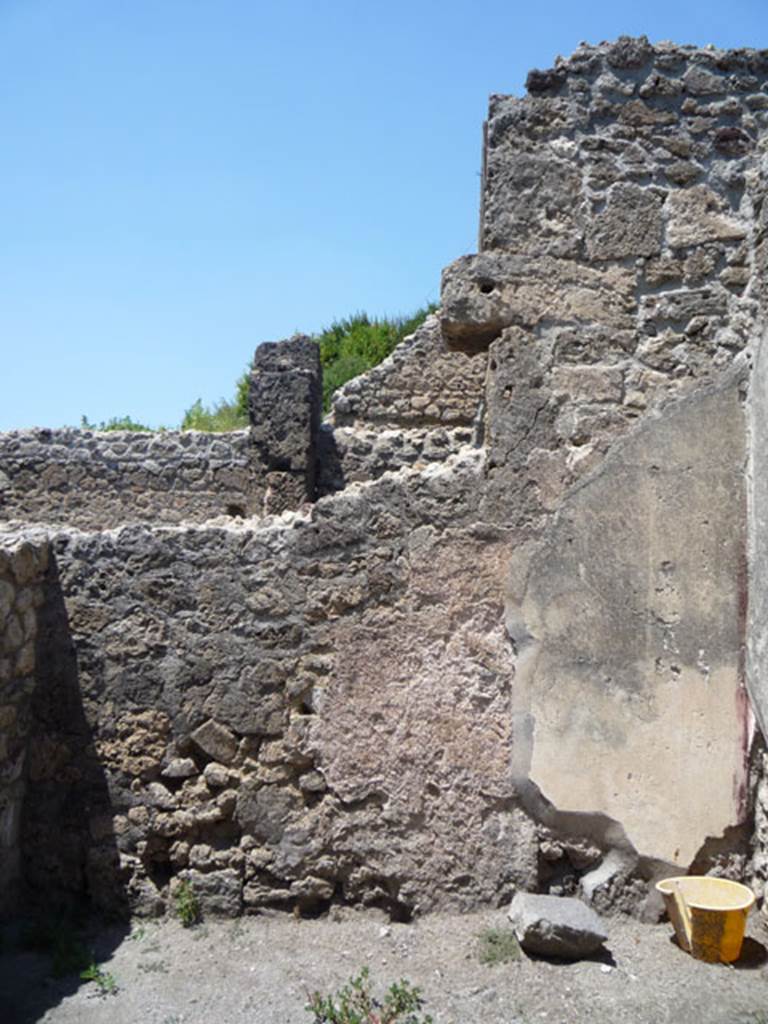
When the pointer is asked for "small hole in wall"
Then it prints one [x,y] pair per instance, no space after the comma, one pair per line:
[399,913]
[159,872]
[236,511]
[486,287]
[311,908]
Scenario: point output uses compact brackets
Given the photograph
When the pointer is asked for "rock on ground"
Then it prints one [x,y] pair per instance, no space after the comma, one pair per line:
[556,926]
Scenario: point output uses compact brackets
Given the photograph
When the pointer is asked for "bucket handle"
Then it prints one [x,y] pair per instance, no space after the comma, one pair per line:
[684,912]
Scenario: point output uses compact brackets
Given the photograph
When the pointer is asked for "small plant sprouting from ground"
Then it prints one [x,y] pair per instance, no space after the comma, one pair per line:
[354,1004]
[105,982]
[186,904]
[498,946]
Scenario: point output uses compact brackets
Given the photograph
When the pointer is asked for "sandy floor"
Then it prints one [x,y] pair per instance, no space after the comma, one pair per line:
[260,970]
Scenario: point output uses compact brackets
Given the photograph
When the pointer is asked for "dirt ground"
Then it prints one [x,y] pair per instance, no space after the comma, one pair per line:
[260,970]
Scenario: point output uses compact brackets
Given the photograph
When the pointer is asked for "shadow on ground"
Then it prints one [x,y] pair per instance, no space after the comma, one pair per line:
[70,860]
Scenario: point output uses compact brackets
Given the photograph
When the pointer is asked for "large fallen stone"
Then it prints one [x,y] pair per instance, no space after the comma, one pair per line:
[556,926]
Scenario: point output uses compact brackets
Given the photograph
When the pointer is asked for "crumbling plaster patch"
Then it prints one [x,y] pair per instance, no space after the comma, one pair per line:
[629,699]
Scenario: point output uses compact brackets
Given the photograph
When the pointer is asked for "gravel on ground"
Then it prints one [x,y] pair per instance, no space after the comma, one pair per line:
[261,970]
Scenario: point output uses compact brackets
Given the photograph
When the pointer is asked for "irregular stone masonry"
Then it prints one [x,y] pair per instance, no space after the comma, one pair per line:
[620,205]
[240,707]
[421,384]
[505,648]
[97,480]
[424,397]
[23,561]
[284,402]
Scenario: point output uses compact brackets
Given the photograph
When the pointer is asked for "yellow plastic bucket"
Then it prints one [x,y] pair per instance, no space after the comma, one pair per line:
[709,915]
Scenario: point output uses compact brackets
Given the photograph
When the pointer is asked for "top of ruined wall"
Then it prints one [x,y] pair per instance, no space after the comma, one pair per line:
[98,480]
[661,116]
[419,405]
[421,384]
[620,230]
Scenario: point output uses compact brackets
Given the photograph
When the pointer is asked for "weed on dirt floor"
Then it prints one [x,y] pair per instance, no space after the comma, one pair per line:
[354,1004]
[498,946]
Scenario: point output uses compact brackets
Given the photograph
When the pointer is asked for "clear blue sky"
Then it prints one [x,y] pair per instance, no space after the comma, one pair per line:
[182,179]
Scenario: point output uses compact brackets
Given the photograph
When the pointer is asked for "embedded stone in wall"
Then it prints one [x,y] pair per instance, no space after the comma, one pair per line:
[536,201]
[483,294]
[284,405]
[697,215]
[630,224]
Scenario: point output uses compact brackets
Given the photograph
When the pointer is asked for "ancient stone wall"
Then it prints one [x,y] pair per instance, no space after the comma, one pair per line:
[317,709]
[419,405]
[507,647]
[23,561]
[284,403]
[617,288]
[98,480]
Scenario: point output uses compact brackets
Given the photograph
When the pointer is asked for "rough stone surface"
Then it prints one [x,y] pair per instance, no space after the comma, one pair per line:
[23,562]
[481,295]
[630,225]
[284,405]
[422,384]
[556,926]
[98,480]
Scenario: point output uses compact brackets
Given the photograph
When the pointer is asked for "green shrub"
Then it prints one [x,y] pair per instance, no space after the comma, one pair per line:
[106,983]
[354,1004]
[217,418]
[186,904]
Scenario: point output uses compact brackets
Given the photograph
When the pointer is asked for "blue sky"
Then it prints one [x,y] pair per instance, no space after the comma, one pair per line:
[182,179]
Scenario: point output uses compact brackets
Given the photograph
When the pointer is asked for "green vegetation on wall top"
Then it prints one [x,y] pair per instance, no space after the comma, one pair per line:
[348,348]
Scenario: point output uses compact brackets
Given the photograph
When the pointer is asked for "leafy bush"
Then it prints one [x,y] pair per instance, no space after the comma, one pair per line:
[218,418]
[347,348]
[354,1004]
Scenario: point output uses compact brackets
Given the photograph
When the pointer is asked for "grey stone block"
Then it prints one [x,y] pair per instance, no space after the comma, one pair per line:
[556,926]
